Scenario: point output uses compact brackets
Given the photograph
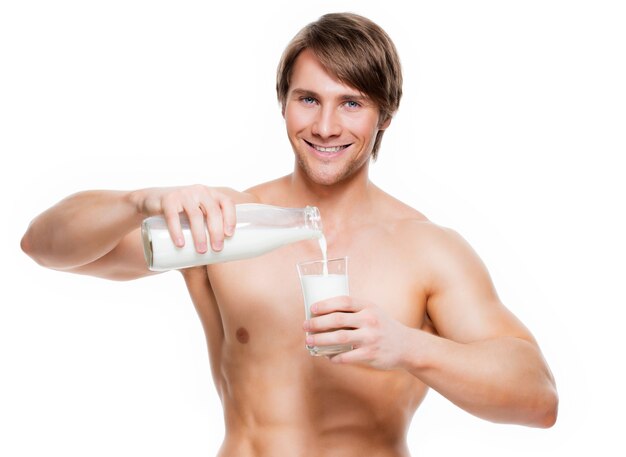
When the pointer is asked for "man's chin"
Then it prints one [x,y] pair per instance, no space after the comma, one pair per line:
[327,174]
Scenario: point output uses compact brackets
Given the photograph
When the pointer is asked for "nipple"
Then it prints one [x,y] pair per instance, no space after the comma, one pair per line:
[242,335]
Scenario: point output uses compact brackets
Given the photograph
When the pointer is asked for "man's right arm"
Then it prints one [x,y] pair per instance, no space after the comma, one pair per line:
[98,232]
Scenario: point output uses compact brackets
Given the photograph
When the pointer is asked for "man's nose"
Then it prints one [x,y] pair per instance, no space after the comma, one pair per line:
[326,123]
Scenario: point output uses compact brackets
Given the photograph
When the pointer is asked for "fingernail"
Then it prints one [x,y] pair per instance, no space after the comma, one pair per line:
[180,242]
[309,340]
[230,230]
[202,247]
[218,245]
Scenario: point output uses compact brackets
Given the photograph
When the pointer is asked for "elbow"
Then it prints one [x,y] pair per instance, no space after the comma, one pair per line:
[547,409]
[30,249]
[551,411]
[538,410]
[27,246]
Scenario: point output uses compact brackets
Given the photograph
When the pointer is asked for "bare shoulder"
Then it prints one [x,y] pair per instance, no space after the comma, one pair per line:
[462,300]
[437,251]
[408,224]
[441,254]
[443,244]
[393,212]
[270,192]
[418,232]
[431,247]
[247,196]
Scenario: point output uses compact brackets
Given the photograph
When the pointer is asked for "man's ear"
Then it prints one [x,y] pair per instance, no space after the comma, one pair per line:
[385,123]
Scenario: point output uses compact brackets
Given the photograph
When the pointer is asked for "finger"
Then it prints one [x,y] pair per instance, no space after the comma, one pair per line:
[331,321]
[229,216]
[330,305]
[215,223]
[172,219]
[198,230]
[359,354]
[337,337]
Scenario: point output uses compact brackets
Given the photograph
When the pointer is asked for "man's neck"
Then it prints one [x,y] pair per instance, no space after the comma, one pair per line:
[341,204]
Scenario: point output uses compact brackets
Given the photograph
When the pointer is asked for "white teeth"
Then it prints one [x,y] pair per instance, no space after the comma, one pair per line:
[335,149]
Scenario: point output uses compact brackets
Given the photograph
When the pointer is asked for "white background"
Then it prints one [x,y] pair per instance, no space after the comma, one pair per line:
[510,130]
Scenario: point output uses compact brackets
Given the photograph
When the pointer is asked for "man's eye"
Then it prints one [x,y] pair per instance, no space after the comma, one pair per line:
[352,104]
[308,100]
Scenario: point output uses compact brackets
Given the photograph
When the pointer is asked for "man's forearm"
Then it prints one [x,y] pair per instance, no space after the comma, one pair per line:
[81,228]
[502,380]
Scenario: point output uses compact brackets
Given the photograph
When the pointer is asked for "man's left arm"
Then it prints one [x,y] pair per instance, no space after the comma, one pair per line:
[483,358]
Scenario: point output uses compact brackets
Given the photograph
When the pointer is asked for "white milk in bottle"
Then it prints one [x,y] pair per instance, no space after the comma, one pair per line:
[260,229]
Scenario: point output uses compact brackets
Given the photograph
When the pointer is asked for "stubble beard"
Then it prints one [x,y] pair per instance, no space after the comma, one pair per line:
[327,174]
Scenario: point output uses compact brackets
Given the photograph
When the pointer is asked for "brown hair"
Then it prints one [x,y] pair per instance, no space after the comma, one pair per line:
[357,52]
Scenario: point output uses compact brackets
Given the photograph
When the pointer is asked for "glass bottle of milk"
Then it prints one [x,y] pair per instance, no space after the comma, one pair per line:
[259,229]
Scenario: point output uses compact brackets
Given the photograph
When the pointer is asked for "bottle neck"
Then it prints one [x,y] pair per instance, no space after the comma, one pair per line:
[313,219]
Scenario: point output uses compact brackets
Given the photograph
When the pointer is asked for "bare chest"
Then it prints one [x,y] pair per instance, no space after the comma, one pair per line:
[260,360]
[261,304]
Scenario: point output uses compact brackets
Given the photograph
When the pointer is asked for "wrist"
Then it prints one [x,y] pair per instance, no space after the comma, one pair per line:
[420,352]
[136,199]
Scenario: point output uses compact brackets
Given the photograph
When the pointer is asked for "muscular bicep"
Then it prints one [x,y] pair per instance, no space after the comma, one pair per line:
[463,303]
[124,262]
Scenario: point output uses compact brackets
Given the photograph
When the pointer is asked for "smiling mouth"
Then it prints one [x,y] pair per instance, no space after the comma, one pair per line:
[328,149]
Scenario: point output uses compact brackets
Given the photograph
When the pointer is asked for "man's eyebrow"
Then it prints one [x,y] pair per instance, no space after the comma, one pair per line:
[304,93]
[356,96]
[309,93]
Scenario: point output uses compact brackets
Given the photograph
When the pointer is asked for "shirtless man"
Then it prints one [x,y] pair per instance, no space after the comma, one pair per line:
[424,312]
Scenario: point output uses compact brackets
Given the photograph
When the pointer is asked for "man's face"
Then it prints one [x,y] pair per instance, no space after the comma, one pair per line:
[331,126]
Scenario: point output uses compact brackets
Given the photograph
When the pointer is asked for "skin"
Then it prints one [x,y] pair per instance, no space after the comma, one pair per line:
[423,310]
